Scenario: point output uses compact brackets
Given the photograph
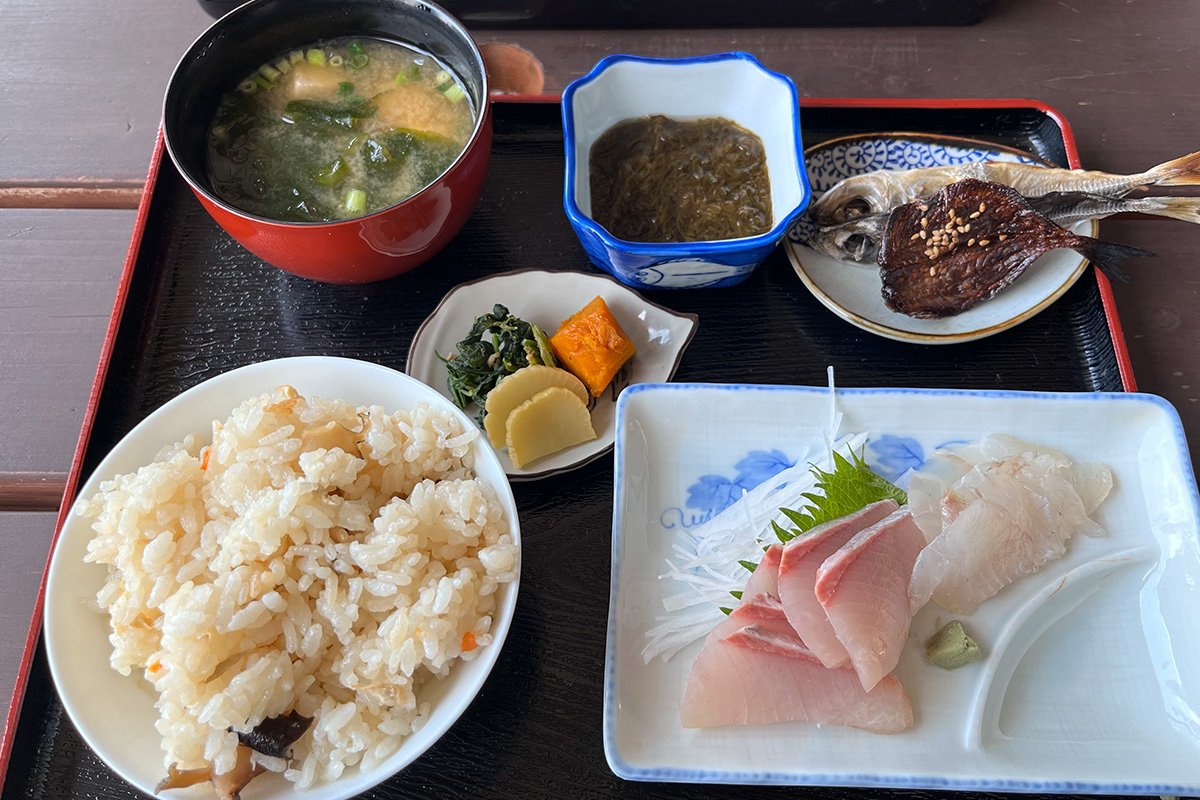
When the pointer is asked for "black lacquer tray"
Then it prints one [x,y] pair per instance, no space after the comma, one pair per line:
[194,304]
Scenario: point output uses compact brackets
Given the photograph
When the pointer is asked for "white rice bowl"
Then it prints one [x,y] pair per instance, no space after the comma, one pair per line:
[369,590]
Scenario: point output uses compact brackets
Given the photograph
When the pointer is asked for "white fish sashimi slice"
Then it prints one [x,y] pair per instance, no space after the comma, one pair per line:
[762,610]
[765,578]
[863,588]
[802,558]
[756,677]
[1092,481]
[1009,519]
[928,486]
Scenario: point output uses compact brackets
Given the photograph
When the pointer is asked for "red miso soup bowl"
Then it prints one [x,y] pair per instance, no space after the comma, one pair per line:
[373,247]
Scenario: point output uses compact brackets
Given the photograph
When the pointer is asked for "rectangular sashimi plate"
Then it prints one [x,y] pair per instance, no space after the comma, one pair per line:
[1090,675]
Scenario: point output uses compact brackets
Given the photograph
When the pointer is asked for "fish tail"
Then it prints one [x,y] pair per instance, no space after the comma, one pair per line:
[1183,171]
[1185,209]
[1108,256]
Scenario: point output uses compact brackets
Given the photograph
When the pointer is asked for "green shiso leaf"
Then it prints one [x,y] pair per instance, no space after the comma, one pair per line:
[851,486]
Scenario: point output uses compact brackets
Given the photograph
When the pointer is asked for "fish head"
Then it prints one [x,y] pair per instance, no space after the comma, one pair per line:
[856,196]
[854,241]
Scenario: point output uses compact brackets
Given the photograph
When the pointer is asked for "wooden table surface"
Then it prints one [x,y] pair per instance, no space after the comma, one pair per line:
[83,84]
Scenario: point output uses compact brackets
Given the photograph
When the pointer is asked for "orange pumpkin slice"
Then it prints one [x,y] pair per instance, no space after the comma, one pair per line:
[592,345]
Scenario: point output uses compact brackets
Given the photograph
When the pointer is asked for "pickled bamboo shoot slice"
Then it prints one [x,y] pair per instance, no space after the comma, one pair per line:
[519,387]
[552,420]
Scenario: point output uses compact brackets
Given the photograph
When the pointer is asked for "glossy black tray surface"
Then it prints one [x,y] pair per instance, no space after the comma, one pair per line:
[199,305]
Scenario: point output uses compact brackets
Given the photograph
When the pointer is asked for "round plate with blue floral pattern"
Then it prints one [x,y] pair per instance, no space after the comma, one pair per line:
[853,291]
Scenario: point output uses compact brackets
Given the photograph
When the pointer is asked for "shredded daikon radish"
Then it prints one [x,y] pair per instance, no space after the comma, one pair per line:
[706,558]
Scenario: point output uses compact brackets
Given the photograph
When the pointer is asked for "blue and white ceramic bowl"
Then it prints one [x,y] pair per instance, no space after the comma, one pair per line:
[730,85]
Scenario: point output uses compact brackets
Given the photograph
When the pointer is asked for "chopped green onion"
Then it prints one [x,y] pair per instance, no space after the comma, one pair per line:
[336,60]
[296,56]
[356,201]
[442,78]
[415,71]
[358,57]
[247,86]
[283,65]
[263,82]
[345,87]
[270,73]
[332,174]
[316,57]
[455,93]
[401,77]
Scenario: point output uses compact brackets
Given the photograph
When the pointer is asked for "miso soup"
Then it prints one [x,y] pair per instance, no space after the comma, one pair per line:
[340,129]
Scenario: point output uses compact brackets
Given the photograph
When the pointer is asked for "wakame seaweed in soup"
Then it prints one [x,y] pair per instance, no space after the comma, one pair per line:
[340,129]
[657,179]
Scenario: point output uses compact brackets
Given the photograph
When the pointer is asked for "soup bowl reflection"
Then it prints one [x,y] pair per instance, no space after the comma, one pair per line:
[373,247]
[734,86]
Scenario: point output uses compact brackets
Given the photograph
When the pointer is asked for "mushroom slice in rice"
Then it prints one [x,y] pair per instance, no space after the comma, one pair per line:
[228,785]
[275,736]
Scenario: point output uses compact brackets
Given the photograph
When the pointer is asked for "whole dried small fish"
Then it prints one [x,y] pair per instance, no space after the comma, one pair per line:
[967,259]
[883,190]
[1067,208]
[857,239]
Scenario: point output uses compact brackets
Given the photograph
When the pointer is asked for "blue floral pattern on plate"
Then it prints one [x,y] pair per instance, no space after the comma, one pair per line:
[711,494]
[895,455]
[889,455]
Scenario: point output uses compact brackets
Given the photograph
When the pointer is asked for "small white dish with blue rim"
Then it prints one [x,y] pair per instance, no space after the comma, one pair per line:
[734,86]
[546,299]
[1090,676]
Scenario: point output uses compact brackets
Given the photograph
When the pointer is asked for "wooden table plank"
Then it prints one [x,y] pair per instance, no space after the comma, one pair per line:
[25,541]
[83,84]
[58,276]
[1123,70]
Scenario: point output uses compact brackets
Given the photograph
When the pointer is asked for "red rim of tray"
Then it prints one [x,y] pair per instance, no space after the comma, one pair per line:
[114,322]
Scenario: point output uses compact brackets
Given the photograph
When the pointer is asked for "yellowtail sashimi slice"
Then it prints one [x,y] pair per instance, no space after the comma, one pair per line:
[762,610]
[765,578]
[863,587]
[802,558]
[756,676]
